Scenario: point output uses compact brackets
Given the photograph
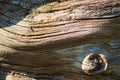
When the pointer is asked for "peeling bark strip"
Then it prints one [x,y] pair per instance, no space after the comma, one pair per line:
[51,39]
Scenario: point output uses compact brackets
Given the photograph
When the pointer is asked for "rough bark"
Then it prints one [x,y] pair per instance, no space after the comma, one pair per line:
[50,42]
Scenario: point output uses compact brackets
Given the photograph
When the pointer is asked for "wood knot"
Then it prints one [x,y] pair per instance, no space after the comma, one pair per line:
[95,63]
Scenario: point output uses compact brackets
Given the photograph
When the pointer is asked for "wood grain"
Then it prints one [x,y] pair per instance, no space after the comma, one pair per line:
[55,37]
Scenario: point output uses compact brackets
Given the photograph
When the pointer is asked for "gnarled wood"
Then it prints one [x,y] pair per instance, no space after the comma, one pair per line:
[53,39]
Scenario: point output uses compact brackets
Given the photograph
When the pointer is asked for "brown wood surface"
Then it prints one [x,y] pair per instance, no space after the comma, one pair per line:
[51,40]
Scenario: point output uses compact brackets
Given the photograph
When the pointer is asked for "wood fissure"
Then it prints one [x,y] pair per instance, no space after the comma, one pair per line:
[48,40]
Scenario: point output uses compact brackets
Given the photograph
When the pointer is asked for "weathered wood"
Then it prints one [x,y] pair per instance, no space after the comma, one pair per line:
[53,39]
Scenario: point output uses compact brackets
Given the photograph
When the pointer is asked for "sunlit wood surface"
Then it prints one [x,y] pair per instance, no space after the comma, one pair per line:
[49,40]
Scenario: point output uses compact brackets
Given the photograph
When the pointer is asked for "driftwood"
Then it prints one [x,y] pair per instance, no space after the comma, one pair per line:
[50,39]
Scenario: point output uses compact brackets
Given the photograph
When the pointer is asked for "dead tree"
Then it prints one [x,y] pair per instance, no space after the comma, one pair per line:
[60,39]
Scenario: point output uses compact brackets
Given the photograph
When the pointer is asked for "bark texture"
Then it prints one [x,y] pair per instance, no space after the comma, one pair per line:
[49,39]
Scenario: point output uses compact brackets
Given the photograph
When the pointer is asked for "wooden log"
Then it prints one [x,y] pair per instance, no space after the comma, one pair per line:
[53,40]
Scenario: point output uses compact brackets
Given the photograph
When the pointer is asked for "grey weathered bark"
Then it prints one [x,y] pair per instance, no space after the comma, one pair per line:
[51,41]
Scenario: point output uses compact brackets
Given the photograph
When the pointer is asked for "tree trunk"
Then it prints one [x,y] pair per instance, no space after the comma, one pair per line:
[59,39]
